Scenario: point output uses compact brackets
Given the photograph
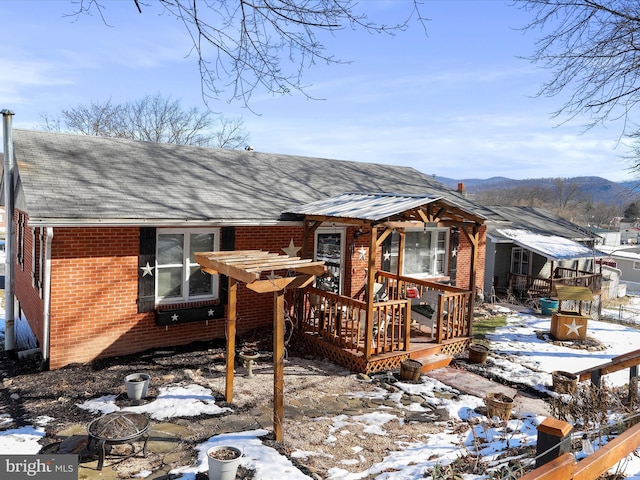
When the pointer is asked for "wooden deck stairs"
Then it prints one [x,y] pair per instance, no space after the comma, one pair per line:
[431,357]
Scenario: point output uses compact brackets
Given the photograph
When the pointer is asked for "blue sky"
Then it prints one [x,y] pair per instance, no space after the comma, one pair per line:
[457,102]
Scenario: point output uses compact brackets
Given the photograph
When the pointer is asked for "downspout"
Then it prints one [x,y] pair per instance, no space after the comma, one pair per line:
[9,334]
[46,323]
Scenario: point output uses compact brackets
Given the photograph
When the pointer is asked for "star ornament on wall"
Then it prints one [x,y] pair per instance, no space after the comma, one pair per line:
[362,253]
[147,270]
[291,250]
[386,256]
[573,327]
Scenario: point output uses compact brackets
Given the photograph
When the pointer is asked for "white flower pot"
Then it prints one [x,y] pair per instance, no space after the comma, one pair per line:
[137,385]
[223,467]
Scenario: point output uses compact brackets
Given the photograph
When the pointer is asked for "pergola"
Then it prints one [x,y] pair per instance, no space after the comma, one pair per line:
[384,213]
[250,266]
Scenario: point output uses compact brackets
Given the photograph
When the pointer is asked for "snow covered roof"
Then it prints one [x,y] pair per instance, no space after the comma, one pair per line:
[550,246]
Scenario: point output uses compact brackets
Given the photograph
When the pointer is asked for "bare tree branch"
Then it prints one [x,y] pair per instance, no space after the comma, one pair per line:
[247,45]
[593,52]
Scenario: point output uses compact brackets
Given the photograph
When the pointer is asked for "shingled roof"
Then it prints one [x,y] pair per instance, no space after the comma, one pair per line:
[67,179]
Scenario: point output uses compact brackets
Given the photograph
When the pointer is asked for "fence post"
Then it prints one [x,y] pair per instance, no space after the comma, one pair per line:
[554,438]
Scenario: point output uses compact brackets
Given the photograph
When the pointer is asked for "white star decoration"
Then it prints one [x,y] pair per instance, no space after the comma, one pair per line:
[174,317]
[291,250]
[454,252]
[211,312]
[361,253]
[386,256]
[147,270]
[573,327]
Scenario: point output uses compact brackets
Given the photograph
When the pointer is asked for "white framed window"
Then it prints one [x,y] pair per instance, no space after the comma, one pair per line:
[425,252]
[520,261]
[636,265]
[178,275]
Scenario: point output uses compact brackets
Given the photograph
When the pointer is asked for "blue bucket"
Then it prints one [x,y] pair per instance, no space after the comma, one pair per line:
[548,305]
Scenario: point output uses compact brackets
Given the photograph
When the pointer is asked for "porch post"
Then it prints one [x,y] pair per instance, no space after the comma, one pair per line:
[371,278]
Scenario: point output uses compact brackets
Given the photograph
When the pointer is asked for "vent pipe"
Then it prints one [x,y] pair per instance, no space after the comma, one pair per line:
[7,131]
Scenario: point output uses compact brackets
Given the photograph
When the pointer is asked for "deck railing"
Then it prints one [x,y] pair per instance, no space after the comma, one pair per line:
[454,311]
[347,323]
[343,321]
[542,287]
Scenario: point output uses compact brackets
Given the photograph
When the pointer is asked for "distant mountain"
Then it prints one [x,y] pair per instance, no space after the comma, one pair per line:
[598,188]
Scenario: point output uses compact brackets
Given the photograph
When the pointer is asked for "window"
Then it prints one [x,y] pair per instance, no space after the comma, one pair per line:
[425,252]
[330,249]
[178,277]
[520,261]
[636,265]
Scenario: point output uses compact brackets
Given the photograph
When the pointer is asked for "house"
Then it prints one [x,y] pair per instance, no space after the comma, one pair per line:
[106,232]
[629,232]
[624,263]
[531,249]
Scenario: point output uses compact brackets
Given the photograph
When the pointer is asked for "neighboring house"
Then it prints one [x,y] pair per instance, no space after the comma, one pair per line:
[106,230]
[629,232]
[529,249]
[626,259]
[606,237]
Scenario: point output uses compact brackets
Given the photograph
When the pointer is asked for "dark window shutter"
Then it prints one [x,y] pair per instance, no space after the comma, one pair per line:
[227,244]
[146,283]
[454,242]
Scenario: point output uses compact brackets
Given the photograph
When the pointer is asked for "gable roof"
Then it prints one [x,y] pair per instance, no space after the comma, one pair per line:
[69,179]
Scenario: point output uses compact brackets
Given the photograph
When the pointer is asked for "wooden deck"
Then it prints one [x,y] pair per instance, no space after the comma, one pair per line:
[369,337]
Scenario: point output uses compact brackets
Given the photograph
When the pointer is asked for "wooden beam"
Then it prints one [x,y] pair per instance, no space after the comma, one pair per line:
[608,455]
[278,364]
[559,468]
[371,278]
[383,236]
[231,340]
[280,283]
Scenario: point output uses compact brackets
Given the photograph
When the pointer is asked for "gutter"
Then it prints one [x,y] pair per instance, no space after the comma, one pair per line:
[9,334]
[46,315]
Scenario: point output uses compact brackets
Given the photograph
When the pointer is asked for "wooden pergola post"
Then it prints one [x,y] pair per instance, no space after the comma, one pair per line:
[248,266]
[278,364]
[230,333]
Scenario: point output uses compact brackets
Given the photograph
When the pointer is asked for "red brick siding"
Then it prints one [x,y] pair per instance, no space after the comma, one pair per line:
[94,295]
[463,272]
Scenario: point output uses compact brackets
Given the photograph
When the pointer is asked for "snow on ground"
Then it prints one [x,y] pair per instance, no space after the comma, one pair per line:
[518,353]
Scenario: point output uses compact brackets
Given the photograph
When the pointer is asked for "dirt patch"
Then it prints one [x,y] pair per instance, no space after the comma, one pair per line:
[313,388]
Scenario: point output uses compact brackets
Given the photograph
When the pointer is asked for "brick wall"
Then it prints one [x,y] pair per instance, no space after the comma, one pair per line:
[94,294]
[463,273]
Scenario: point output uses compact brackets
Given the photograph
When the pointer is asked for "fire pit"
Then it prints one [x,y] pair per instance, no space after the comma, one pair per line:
[117,428]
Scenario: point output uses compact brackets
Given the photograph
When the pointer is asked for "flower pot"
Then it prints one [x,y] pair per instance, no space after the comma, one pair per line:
[498,405]
[478,353]
[564,382]
[410,370]
[137,385]
[548,305]
[223,462]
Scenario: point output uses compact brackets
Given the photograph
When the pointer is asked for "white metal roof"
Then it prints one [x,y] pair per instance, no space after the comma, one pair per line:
[364,206]
[550,246]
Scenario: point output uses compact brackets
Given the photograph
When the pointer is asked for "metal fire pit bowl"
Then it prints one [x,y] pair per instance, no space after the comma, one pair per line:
[117,428]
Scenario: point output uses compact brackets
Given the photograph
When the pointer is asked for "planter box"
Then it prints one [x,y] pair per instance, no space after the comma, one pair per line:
[569,325]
